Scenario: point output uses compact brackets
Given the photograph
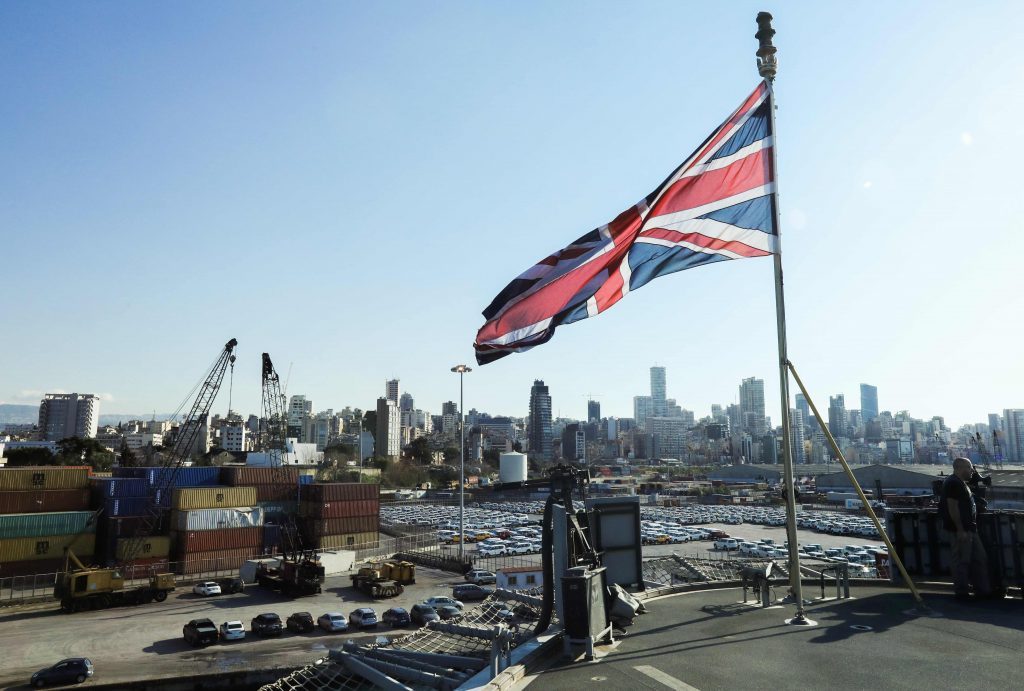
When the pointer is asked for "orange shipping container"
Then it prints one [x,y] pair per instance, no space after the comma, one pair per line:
[210,562]
[44,477]
[347,541]
[213,540]
[50,547]
[188,498]
[339,526]
[44,501]
[238,476]
[144,548]
[45,568]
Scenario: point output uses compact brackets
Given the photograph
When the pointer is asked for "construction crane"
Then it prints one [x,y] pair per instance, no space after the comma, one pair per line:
[80,587]
[300,571]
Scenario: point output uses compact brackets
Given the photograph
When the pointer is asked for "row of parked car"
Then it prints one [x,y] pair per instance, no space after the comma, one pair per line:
[204,632]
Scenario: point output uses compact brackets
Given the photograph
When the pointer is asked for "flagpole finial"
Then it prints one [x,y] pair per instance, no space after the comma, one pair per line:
[766,63]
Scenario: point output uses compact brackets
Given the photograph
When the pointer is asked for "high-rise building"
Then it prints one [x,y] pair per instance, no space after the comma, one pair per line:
[668,437]
[804,408]
[868,402]
[643,408]
[449,408]
[63,415]
[299,408]
[838,423]
[593,411]
[1013,435]
[659,402]
[392,390]
[796,436]
[540,421]
[752,406]
[405,402]
[389,433]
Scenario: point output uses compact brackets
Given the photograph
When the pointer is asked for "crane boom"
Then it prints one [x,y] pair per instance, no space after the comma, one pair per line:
[272,439]
[188,432]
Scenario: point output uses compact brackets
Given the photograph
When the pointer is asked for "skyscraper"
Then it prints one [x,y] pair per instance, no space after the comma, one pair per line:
[392,390]
[659,402]
[868,402]
[405,403]
[752,406]
[299,408]
[1013,434]
[593,411]
[804,408]
[540,421]
[389,433]
[797,437]
[837,420]
[63,415]
[642,409]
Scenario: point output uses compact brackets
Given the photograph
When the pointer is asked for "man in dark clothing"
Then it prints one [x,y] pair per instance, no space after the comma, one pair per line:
[960,518]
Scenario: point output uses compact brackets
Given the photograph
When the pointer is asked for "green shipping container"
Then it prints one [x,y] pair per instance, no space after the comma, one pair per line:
[46,547]
[36,478]
[14,525]
[190,498]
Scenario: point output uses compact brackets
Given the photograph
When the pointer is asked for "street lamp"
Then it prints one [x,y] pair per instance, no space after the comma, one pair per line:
[462,369]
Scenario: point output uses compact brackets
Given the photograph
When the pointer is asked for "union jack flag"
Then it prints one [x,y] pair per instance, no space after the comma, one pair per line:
[720,204]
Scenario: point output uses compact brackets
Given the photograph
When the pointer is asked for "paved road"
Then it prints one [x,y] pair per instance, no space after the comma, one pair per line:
[129,643]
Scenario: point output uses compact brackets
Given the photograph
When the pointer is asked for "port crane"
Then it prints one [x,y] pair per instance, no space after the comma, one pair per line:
[81,587]
[300,572]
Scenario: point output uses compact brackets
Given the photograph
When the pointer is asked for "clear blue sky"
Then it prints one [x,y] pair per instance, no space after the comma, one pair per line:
[347,185]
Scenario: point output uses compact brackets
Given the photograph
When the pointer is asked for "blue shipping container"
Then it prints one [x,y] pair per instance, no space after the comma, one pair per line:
[108,487]
[132,506]
[206,476]
[306,479]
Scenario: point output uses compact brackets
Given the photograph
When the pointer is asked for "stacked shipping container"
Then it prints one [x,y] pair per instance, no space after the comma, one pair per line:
[216,528]
[340,515]
[43,512]
[214,518]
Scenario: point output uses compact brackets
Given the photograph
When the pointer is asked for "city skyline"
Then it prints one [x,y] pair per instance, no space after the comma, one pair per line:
[164,163]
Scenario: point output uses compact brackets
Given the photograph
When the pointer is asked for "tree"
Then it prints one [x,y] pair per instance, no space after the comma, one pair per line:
[492,456]
[451,454]
[370,422]
[128,458]
[30,456]
[419,451]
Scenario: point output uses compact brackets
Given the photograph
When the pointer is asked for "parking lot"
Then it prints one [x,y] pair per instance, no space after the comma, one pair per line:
[129,643]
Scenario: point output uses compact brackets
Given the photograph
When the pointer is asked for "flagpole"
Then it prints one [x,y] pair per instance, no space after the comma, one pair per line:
[767,67]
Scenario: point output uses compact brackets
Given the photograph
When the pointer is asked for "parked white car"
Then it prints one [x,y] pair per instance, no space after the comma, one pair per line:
[727,543]
[206,588]
[232,631]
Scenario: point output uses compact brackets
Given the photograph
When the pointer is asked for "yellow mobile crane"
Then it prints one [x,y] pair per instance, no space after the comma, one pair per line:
[80,587]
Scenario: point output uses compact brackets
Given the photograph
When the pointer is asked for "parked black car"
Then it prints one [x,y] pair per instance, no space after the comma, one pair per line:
[300,622]
[268,624]
[448,612]
[471,591]
[200,632]
[231,585]
[421,614]
[75,669]
[396,616]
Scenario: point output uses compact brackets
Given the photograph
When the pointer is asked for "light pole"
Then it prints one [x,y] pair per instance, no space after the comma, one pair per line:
[462,369]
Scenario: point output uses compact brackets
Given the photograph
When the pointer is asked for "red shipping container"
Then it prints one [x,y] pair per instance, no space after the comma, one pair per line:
[130,526]
[44,501]
[340,509]
[209,562]
[216,540]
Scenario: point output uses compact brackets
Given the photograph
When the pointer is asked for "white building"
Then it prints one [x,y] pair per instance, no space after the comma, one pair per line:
[63,415]
[233,437]
[295,454]
[138,441]
[389,431]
